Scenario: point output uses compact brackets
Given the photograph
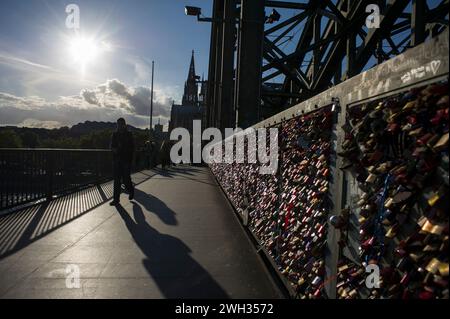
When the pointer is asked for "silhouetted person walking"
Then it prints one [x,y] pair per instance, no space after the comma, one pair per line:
[164,154]
[122,146]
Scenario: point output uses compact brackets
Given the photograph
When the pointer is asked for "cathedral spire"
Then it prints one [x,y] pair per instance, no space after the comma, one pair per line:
[191,74]
[190,96]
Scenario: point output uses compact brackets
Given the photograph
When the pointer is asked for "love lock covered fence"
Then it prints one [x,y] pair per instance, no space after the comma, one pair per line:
[359,205]
[28,175]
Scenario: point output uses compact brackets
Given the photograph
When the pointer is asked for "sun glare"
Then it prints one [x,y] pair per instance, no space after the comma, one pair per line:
[83,50]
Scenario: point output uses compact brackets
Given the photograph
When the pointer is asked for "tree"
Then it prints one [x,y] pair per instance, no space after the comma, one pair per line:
[10,139]
[102,139]
[30,139]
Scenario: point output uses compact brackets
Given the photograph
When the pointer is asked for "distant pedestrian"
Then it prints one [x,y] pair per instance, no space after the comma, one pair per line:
[164,153]
[122,146]
[150,148]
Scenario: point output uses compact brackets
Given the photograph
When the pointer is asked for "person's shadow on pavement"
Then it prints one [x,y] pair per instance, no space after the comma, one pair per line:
[168,260]
[156,206]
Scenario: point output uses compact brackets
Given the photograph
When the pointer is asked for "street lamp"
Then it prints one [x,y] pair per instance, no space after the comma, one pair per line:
[192,11]
[273,17]
[196,11]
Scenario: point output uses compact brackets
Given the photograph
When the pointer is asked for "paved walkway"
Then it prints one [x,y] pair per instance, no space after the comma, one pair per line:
[177,239]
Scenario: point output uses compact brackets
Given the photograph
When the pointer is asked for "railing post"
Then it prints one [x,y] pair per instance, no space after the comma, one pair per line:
[49,173]
[97,167]
[2,181]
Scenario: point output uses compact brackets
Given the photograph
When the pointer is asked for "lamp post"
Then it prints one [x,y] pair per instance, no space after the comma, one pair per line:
[151,100]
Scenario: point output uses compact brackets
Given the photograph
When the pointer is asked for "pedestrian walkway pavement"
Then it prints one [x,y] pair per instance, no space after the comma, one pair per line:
[178,238]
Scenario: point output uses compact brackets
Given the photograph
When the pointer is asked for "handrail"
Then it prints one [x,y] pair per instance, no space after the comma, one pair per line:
[57,149]
[29,175]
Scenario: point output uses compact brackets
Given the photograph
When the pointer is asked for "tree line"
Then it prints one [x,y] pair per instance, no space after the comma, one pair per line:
[14,137]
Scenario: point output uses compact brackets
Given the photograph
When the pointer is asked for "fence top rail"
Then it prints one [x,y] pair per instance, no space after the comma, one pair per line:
[55,149]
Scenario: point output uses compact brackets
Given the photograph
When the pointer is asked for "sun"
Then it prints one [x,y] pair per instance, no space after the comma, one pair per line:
[83,50]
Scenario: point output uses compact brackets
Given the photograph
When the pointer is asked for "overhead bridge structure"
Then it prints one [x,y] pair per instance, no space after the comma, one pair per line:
[266,56]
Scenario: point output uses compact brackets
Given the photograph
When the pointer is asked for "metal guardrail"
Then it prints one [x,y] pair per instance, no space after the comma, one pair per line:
[28,175]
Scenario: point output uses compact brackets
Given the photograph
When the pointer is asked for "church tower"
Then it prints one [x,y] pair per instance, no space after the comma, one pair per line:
[190,96]
[193,103]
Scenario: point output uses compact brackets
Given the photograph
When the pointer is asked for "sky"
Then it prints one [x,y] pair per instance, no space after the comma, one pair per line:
[52,76]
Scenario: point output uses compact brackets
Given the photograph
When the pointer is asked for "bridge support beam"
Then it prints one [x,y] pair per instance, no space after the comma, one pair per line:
[227,112]
[419,7]
[248,93]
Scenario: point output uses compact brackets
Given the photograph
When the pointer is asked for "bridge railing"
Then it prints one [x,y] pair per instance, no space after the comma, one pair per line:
[320,237]
[28,175]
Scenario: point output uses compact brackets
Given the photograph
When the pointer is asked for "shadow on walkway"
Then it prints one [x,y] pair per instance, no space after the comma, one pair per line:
[20,229]
[182,169]
[156,206]
[168,260]
[183,172]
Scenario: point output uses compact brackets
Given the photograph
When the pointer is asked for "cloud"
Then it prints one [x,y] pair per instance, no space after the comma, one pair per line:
[20,102]
[142,68]
[29,77]
[102,88]
[136,100]
[89,96]
[7,59]
[117,87]
[105,102]
[34,123]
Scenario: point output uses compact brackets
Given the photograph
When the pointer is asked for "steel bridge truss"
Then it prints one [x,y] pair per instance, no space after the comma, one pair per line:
[262,62]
